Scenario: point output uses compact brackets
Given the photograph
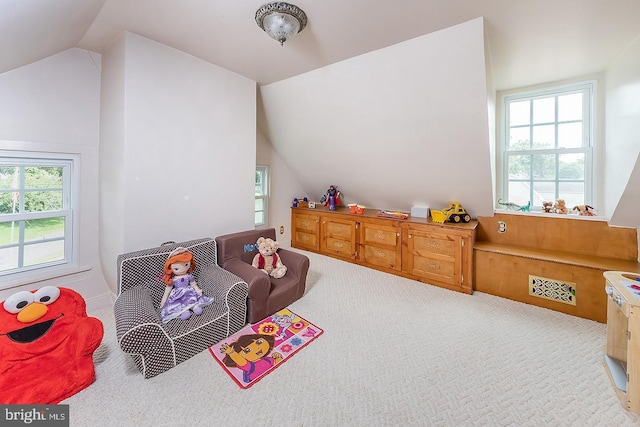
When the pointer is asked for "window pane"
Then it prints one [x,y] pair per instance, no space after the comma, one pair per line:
[9,232]
[42,201]
[519,167]
[519,139]
[544,166]
[8,259]
[9,202]
[571,166]
[259,205]
[544,110]
[570,135]
[572,193]
[43,177]
[46,228]
[544,137]
[570,107]
[519,192]
[519,113]
[41,253]
[259,218]
[543,192]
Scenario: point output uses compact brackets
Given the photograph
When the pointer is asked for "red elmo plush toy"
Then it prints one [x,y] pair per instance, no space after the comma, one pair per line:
[46,346]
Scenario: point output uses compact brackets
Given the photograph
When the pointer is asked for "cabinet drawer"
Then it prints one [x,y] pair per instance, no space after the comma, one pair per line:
[381,256]
[380,235]
[306,240]
[306,223]
[339,230]
[340,247]
[433,268]
[438,244]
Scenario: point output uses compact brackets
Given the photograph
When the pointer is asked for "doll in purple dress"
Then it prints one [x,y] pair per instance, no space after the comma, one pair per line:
[182,294]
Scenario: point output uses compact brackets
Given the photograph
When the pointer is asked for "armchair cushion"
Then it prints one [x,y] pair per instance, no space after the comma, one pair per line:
[156,347]
[266,294]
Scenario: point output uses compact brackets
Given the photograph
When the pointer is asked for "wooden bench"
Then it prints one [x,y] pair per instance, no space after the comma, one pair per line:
[552,261]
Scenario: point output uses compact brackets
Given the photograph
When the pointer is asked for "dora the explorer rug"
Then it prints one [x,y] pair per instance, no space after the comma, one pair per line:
[256,350]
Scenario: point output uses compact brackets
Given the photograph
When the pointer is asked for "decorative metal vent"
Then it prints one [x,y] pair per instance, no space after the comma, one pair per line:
[551,289]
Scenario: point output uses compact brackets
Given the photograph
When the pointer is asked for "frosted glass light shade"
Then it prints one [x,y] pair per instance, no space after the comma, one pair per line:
[281,20]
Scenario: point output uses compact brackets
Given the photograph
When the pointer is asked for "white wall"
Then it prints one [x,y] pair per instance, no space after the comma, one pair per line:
[622,165]
[53,105]
[283,188]
[403,125]
[181,135]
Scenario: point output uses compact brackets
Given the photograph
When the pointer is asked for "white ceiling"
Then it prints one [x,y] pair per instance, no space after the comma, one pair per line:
[530,41]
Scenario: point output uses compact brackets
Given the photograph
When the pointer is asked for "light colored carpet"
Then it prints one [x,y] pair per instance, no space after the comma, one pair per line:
[395,352]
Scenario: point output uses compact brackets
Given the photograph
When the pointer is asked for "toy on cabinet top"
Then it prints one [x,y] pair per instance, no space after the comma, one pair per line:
[515,207]
[267,260]
[182,294]
[332,198]
[454,213]
[584,210]
[46,346]
[561,207]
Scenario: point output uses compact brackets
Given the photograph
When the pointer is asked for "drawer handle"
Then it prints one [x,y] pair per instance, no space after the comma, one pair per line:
[380,235]
[433,266]
[380,254]
[433,245]
[305,224]
[339,245]
[305,238]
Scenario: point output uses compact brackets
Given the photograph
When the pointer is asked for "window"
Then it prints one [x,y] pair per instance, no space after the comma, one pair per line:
[547,146]
[36,215]
[262,195]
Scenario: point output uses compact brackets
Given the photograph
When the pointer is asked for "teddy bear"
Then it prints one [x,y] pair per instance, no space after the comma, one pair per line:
[267,259]
[561,207]
[548,207]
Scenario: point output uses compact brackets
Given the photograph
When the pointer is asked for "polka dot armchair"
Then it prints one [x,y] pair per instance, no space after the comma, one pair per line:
[156,347]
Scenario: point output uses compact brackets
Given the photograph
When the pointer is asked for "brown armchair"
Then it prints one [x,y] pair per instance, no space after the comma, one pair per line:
[266,294]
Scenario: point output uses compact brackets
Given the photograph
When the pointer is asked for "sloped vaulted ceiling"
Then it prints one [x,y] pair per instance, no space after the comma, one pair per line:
[401,126]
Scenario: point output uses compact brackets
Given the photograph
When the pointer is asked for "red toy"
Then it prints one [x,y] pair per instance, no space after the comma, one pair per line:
[46,346]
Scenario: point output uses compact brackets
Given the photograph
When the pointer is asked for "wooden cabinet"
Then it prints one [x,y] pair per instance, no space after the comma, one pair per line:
[338,237]
[380,245]
[306,231]
[435,255]
[416,248]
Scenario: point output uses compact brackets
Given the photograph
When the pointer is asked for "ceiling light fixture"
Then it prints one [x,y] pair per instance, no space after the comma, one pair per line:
[281,20]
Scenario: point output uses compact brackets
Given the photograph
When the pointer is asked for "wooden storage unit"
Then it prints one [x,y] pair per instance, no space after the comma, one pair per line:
[416,248]
[380,245]
[622,351]
[338,237]
[306,231]
[568,255]
[434,254]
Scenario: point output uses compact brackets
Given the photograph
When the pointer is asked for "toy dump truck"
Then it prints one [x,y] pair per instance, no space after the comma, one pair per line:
[454,213]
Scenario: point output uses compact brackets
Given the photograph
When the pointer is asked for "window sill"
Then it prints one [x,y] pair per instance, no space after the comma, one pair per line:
[27,278]
[571,215]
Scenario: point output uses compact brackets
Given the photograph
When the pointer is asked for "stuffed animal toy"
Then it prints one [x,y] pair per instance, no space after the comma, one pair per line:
[46,346]
[267,259]
[548,207]
[584,210]
[561,207]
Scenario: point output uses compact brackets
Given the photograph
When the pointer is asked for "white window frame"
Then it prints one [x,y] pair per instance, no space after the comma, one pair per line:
[264,196]
[69,163]
[589,89]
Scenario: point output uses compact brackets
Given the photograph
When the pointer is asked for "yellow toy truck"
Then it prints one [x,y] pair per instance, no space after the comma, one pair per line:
[454,213]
